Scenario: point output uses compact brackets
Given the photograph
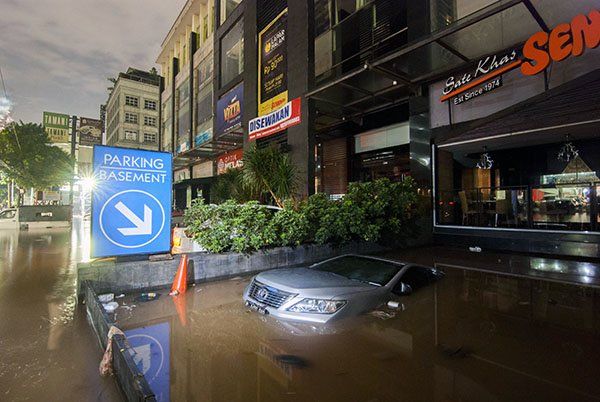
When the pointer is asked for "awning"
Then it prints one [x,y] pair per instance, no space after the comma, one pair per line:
[383,81]
[210,149]
[572,108]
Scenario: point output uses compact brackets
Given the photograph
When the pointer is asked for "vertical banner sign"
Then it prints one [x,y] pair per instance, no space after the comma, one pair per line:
[272,64]
[229,110]
[131,202]
[90,131]
[56,126]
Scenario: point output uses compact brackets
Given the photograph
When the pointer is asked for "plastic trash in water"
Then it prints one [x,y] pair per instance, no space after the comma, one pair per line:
[146,297]
[393,304]
[106,298]
[110,307]
[475,249]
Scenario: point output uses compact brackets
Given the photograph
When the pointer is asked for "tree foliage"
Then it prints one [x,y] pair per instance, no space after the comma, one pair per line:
[229,185]
[28,158]
[268,170]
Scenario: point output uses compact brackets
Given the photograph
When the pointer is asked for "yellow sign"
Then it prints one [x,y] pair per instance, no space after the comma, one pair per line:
[272,65]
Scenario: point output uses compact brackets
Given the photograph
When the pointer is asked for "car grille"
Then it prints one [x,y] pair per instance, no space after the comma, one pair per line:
[268,295]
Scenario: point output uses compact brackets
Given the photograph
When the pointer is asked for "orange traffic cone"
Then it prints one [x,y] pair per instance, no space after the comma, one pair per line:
[181,307]
[180,282]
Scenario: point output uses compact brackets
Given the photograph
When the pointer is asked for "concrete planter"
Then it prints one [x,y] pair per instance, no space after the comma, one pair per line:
[137,275]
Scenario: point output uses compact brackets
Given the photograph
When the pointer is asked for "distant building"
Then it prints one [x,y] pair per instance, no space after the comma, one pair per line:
[132,110]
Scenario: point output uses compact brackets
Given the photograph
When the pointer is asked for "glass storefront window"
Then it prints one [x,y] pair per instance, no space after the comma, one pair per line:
[232,53]
[525,187]
[204,106]
[183,116]
[203,101]
[166,125]
[227,7]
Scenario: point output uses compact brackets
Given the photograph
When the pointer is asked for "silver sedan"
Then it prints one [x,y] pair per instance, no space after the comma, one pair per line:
[338,287]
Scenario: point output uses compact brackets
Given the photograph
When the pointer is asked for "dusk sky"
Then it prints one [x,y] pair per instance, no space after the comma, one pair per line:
[56,55]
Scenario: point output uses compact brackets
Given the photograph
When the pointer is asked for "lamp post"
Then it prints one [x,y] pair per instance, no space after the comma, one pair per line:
[73,143]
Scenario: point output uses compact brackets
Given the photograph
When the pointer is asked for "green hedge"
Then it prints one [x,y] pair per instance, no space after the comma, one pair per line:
[378,211]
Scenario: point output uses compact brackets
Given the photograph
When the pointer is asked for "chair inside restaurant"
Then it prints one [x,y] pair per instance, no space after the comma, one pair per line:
[538,181]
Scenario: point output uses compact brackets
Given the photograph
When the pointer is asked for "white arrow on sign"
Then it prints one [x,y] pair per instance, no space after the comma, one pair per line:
[142,227]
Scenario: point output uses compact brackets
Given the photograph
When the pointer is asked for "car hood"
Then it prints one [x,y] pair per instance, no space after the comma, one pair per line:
[296,279]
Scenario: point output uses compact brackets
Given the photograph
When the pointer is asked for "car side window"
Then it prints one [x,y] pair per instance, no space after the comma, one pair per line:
[416,277]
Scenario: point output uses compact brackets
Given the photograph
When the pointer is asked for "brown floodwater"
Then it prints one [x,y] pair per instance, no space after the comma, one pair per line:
[473,336]
[48,351]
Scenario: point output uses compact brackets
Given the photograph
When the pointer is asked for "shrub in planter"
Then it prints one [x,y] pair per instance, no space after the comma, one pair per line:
[385,210]
[378,211]
[290,225]
[230,226]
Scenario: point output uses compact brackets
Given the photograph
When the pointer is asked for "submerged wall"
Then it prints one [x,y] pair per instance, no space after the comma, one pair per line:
[136,275]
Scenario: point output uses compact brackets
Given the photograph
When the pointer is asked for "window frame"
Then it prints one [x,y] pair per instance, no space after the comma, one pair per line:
[136,98]
[126,132]
[149,101]
[127,120]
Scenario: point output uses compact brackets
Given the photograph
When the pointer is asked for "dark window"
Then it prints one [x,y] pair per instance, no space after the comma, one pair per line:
[361,269]
[417,277]
[232,53]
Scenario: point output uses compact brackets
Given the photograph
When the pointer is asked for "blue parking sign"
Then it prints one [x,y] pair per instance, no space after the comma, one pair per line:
[131,202]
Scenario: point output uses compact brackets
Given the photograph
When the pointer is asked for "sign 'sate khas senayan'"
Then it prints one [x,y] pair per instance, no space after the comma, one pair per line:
[568,39]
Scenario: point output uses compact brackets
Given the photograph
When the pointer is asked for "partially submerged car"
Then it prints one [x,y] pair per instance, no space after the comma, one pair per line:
[338,287]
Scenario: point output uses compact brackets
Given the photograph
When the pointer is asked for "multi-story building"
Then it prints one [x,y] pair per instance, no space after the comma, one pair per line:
[132,110]
[192,127]
[491,106]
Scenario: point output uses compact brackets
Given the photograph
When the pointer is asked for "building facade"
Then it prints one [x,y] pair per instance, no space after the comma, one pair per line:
[132,111]
[488,105]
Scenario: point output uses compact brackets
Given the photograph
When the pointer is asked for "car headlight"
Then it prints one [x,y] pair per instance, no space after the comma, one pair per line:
[317,306]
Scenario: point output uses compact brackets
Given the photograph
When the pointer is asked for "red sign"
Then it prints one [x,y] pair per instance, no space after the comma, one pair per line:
[563,41]
[230,160]
[276,121]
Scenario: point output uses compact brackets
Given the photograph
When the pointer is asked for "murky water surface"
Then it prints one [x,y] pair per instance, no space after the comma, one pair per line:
[48,351]
[474,336]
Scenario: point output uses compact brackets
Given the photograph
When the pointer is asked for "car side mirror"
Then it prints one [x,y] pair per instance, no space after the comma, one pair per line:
[402,289]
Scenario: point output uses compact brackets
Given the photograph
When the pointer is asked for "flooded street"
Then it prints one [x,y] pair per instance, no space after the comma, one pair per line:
[49,351]
[473,336]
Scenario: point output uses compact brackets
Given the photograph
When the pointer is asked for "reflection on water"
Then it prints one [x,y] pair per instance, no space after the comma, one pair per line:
[474,336]
[41,329]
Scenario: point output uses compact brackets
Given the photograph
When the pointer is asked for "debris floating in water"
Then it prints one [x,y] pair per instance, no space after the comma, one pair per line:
[106,298]
[146,297]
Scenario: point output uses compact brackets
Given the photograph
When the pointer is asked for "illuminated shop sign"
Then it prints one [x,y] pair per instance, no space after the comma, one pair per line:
[230,160]
[563,41]
[272,65]
[276,121]
[486,70]
[229,110]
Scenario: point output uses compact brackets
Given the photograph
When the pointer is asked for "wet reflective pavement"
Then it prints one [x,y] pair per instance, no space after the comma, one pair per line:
[474,336]
[48,350]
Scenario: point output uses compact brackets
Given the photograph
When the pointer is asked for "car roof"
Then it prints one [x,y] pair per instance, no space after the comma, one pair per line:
[370,257]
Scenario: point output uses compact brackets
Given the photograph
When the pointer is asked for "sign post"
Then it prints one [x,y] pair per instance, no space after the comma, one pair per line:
[131,202]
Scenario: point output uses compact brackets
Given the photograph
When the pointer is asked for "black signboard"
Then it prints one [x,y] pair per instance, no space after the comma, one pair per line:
[90,131]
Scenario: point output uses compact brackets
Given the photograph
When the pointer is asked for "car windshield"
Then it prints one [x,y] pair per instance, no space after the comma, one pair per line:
[362,269]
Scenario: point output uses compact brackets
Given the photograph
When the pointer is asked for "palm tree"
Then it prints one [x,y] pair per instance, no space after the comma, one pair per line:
[270,170]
